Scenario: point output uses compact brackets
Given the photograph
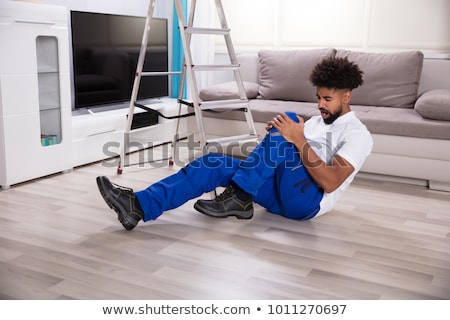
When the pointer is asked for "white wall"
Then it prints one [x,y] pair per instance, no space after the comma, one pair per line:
[368,25]
[362,25]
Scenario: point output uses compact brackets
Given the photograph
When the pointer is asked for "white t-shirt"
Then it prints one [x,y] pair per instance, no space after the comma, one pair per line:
[347,137]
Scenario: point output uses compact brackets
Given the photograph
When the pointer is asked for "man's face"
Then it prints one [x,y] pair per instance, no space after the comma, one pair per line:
[332,103]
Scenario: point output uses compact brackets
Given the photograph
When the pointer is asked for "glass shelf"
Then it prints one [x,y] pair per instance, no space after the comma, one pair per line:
[49,90]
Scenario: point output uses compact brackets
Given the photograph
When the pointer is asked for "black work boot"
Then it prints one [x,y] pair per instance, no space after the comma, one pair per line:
[122,200]
[226,204]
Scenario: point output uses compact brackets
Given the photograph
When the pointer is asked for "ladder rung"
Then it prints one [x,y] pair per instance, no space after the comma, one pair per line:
[207,30]
[234,103]
[230,139]
[160,73]
[229,105]
[215,67]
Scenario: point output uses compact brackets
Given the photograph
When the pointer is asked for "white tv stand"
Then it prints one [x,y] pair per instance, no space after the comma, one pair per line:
[98,135]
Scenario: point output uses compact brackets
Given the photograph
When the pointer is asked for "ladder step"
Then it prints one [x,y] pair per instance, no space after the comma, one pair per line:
[231,139]
[195,30]
[160,73]
[229,104]
[188,74]
[214,104]
[215,67]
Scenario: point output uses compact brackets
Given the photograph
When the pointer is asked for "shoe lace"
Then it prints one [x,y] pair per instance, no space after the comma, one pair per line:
[226,194]
[129,192]
[122,188]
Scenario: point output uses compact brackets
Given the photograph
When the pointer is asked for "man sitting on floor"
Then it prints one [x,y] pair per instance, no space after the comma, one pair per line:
[299,170]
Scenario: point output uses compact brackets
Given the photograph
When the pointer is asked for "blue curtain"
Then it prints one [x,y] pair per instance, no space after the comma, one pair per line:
[177,51]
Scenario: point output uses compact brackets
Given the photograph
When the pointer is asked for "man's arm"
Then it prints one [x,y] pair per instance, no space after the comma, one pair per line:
[328,177]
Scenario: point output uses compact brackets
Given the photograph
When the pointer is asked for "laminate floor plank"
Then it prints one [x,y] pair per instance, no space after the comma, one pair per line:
[59,240]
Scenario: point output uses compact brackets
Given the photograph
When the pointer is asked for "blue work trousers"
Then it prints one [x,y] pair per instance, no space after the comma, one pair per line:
[273,174]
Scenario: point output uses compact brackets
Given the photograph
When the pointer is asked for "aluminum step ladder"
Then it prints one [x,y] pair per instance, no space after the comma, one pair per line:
[134,93]
[189,73]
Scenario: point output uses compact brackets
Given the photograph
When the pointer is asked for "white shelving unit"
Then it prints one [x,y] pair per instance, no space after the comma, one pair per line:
[35,104]
[97,136]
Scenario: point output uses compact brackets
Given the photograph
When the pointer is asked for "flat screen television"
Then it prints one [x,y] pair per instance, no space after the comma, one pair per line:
[105,51]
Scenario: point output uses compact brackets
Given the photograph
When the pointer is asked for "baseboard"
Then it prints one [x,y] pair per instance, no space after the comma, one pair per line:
[395,179]
[439,185]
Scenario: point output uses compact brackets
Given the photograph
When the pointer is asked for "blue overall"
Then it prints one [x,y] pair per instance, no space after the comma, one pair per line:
[273,174]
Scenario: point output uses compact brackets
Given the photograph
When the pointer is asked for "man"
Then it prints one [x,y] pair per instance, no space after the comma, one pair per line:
[299,170]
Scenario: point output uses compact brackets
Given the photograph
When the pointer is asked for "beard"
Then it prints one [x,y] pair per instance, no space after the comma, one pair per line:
[331,116]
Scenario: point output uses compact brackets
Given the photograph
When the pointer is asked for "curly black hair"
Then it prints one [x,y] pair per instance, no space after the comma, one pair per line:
[337,73]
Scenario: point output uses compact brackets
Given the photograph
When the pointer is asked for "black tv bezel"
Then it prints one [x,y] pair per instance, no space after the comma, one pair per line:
[163,80]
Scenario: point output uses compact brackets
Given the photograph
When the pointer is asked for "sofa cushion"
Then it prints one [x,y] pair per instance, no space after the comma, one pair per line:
[228,90]
[434,104]
[284,75]
[390,79]
[403,122]
[249,67]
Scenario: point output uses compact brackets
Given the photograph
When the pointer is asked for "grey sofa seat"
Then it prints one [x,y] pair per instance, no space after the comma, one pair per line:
[403,122]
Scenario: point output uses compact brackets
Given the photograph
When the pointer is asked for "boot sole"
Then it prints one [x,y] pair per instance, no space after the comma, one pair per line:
[237,214]
[113,205]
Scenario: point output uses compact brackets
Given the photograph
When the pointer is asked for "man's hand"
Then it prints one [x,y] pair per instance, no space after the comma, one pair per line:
[290,130]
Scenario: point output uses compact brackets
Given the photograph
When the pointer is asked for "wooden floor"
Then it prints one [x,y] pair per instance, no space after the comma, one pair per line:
[59,240]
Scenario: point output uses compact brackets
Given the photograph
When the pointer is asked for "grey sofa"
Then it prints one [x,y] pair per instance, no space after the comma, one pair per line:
[404,102]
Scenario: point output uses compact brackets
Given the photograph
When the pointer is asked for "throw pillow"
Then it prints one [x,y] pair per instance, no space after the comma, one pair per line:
[284,75]
[434,104]
[228,90]
[390,79]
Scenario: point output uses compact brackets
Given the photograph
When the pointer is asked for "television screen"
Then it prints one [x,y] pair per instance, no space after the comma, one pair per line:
[105,51]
